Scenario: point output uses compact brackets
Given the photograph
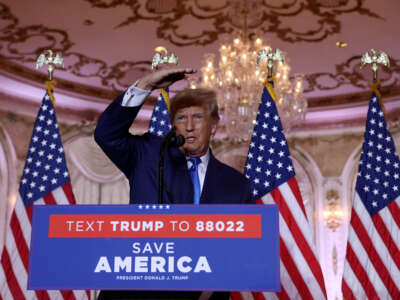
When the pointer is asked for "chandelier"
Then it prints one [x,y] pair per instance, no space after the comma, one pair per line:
[238,80]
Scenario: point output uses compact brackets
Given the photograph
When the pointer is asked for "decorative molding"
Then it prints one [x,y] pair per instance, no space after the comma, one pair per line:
[11,69]
[272,18]
[349,73]
[335,260]
[14,57]
[115,77]
[8,179]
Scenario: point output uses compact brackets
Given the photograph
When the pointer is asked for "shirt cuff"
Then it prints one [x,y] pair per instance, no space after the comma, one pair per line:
[134,96]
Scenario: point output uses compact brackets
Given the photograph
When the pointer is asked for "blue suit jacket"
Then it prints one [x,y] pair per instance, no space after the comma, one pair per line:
[137,157]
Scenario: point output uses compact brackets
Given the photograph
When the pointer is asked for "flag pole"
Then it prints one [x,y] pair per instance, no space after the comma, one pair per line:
[371,262]
[161,57]
[373,58]
[270,56]
[270,171]
[51,61]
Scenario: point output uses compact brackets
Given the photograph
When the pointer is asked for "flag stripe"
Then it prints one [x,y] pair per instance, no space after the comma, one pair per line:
[22,247]
[294,213]
[11,279]
[18,268]
[49,199]
[292,182]
[360,276]
[61,197]
[295,275]
[68,295]
[22,217]
[294,218]
[289,290]
[272,296]
[236,296]
[29,211]
[380,257]
[347,291]
[395,211]
[43,295]
[387,237]
[295,246]
[375,263]
[67,188]
[258,296]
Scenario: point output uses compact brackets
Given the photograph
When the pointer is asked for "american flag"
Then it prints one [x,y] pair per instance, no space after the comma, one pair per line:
[270,171]
[45,180]
[159,122]
[372,265]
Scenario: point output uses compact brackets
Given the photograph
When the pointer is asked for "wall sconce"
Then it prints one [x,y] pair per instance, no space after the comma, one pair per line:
[333,213]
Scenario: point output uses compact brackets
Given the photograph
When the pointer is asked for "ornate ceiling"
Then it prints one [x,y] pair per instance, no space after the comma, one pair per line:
[108,44]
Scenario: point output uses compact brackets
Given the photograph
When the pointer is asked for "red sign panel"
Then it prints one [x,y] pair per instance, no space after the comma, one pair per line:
[156,225]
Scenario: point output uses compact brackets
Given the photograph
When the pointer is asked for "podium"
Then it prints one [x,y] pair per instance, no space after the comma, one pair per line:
[155,247]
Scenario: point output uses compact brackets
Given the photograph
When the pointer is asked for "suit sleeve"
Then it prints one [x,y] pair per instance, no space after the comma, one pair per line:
[113,137]
[247,194]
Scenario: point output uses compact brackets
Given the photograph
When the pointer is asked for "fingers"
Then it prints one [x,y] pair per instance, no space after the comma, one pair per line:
[183,71]
[163,78]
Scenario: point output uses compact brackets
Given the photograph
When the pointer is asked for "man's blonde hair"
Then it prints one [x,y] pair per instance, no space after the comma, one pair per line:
[205,98]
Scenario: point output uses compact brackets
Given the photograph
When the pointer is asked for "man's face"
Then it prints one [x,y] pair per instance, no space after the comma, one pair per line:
[197,127]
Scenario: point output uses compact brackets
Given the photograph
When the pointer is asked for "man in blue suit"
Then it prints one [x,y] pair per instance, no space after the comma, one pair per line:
[192,174]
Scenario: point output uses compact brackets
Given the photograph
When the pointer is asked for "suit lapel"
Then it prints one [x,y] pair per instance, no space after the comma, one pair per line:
[179,184]
[210,181]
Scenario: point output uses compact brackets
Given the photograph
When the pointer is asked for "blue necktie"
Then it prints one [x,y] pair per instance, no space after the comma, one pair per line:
[195,178]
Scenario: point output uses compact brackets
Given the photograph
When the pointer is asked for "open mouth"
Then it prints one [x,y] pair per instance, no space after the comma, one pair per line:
[190,139]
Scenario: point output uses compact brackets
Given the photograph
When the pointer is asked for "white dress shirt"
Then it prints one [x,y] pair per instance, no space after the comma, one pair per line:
[134,96]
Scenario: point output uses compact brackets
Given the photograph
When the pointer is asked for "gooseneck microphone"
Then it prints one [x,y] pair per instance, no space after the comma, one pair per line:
[171,139]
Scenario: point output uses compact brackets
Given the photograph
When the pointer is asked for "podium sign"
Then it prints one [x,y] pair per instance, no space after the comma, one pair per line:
[155,247]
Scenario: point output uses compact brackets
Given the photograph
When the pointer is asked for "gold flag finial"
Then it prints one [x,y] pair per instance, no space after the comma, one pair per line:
[161,57]
[270,56]
[49,60]
[374,59]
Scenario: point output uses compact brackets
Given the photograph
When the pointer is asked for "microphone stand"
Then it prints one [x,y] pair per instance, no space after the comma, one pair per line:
[172,139]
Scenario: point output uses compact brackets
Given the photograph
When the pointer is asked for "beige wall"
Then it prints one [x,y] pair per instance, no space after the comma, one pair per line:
[324,160]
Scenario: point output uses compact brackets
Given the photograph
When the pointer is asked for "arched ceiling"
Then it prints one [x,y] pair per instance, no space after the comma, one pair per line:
[108,44]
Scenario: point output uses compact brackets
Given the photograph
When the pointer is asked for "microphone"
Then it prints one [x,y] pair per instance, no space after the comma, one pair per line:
[172,139]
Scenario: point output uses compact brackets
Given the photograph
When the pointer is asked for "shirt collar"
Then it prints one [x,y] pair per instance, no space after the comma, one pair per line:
[204,159]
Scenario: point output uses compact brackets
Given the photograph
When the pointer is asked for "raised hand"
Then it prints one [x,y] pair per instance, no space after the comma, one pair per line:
[163,78]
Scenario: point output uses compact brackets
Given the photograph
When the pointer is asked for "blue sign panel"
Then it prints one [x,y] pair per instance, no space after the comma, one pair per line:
[155,247]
